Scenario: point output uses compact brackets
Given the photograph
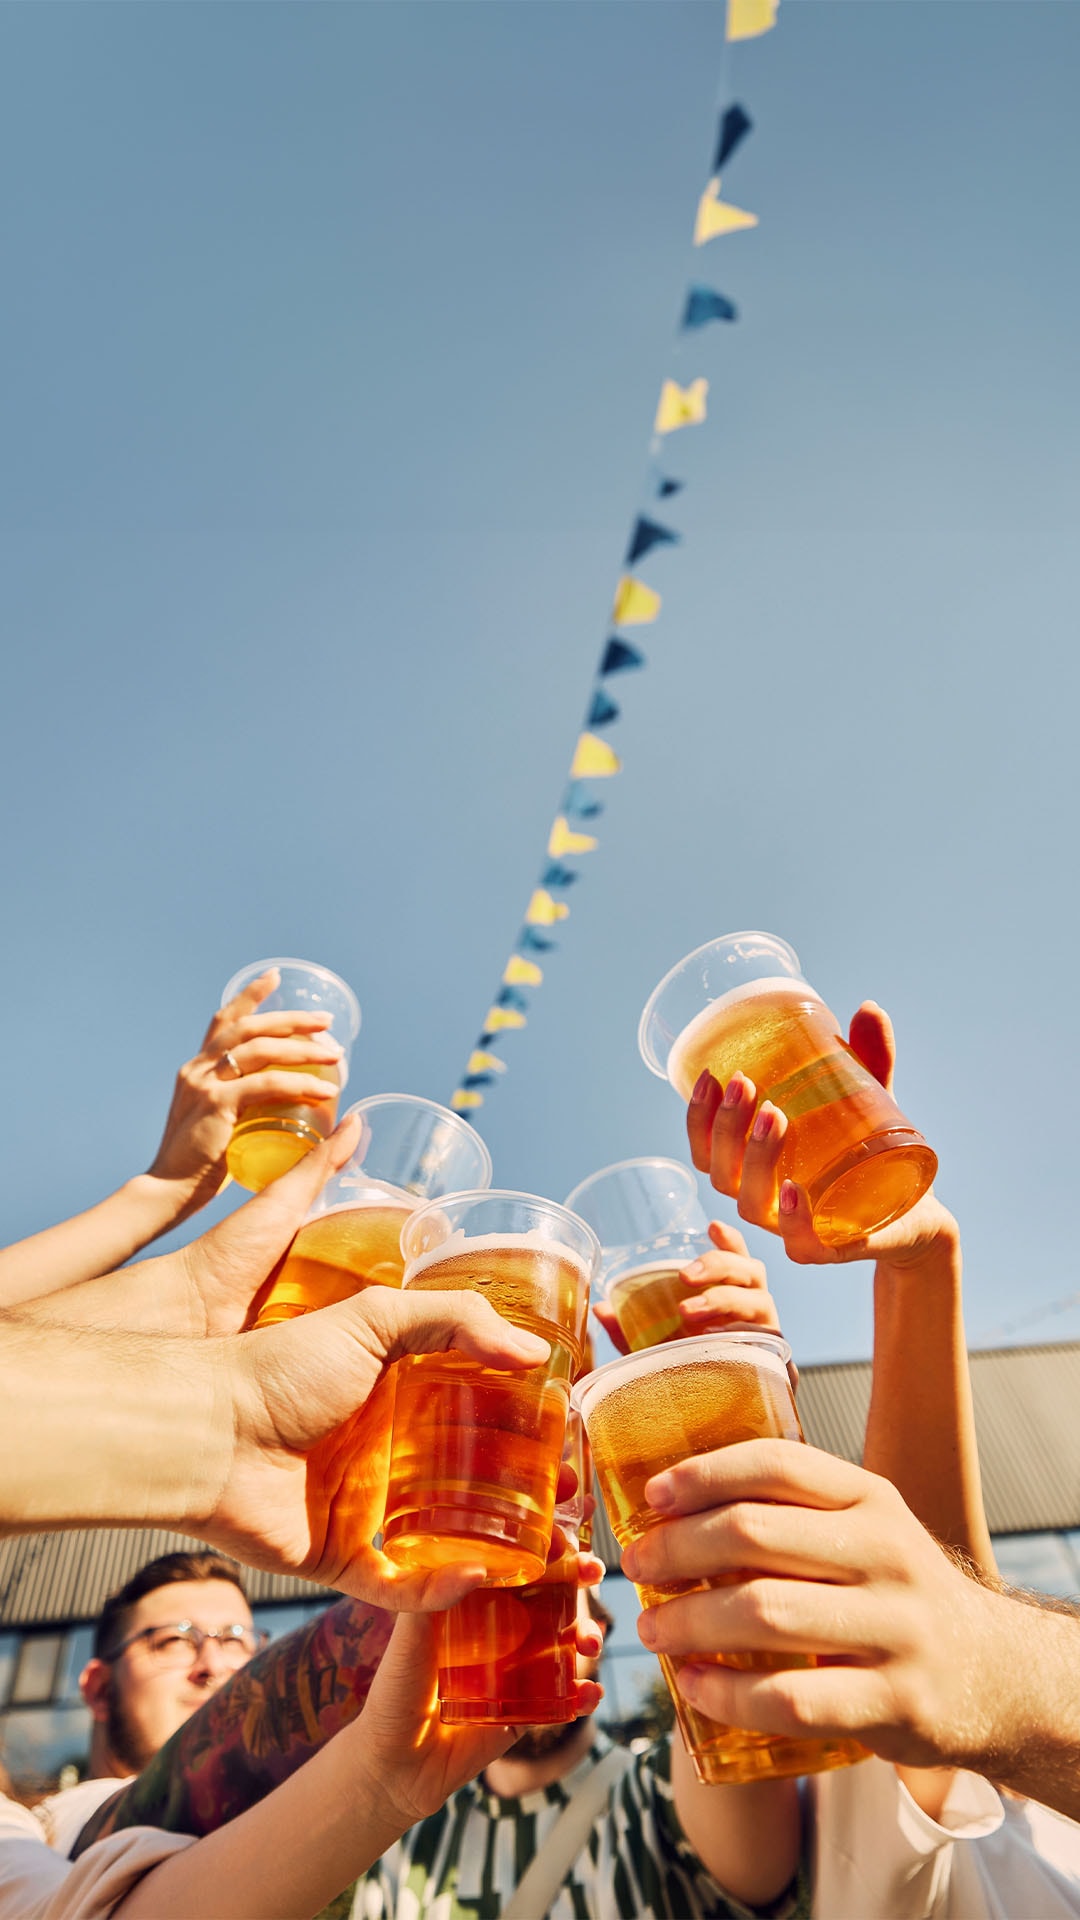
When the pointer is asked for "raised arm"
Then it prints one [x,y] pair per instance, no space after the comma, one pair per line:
[239,1063]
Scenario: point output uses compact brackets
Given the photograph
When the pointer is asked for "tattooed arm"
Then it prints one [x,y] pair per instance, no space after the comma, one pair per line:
[256,1730]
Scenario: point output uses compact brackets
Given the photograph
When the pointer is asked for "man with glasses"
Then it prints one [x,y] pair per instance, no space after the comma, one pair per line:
[165,1642]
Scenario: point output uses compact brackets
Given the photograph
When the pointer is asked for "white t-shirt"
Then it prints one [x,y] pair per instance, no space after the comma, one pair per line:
[988,1857]
[38,1881]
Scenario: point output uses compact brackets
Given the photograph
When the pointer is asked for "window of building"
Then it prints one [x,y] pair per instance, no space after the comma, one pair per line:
[35,1673]
[1044,1562]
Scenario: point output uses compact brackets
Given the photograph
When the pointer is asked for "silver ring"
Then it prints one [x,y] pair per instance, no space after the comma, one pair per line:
[230,1060]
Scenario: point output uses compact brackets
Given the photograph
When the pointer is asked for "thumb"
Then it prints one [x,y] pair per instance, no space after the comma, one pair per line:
[254,1238]
[391,1323]
[870,1036]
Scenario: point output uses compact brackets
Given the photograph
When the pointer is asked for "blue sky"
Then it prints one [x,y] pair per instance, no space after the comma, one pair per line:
[332,337]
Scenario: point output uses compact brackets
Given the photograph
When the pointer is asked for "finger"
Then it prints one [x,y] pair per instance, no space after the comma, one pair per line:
[725,1269]
[590,1570]
[795,1223]
[730,1128]
[283,1089]
[750,1537]
[759,1188]
[871,1037]
[281,1025]
[826,1701]
[252,1056]
[728,1239]
[390,1324]
[781,1470]
[797,1616]
[590,1638]
[700,1114]
[719,1307]
[606,1316]
[242,1004]
[589,1696]
[254,1237]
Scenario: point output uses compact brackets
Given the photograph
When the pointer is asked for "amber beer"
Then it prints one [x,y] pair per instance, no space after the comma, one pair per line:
[269,1139]
[476,1451]
[648,1412]
[334,1256]
[646,1304]
[508,1655]
[847,1143]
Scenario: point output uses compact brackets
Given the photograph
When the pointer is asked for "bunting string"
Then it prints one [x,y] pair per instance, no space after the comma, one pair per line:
[636,605]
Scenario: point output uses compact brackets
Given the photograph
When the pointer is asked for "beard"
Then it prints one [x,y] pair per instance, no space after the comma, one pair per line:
[125,1742]
[539,1743]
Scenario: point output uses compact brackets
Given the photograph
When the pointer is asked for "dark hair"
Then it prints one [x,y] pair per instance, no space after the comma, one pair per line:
[166,1571]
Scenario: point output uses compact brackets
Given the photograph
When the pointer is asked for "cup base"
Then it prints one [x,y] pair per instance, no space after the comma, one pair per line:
[507,1713]
[429,1548]
[874,1183]
[260,1151]
[773,1759]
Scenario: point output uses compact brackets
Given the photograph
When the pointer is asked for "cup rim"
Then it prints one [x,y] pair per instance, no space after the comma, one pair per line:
[511,1193]
[255,967]
[748,933]
[621,1166]
[369,1100]
[650,1359]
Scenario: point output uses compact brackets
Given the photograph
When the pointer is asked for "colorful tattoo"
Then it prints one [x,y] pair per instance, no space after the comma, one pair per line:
[256,1730]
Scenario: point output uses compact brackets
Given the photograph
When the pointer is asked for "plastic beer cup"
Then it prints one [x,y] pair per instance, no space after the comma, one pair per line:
[269,1139]
[475,1453]
[411,1151]
[650,1223]
[740,1004]
[508,1655]
[650,1410]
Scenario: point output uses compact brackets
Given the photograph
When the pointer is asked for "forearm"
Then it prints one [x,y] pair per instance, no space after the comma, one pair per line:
[257,1729]
[921,1428]
[747,1836]
[1031,1686]
[286,1858]
[91,1243]
[108,1429]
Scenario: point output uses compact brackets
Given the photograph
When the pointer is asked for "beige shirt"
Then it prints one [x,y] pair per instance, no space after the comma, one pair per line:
[39,1883]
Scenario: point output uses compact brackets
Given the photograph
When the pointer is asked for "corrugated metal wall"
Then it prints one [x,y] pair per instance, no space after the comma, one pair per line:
[1027,1409]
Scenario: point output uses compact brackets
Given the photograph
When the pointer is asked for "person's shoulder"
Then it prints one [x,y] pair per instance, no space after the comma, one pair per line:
[64,1815]
[18,1822]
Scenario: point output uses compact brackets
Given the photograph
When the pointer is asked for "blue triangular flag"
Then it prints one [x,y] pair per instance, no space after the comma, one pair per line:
[479,1080]
[556,876]
[619,655]
[511,997]
[646,535]
[603,711]
[665,487]
[529,941]
[704,304]
[578,803]
[734,127]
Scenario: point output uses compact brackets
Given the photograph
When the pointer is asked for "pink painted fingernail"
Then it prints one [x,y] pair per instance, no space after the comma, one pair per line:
[701,1087]
[789,1197]
[733,1093]
[763,1125]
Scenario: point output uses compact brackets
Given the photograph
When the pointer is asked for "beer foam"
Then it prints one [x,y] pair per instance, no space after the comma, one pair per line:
[368,1193]
[773,983]
[460,1243]
[705,1350]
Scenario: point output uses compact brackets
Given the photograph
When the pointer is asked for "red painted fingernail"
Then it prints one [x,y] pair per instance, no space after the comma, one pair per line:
[733,1093]
[789,1197]
[763,1125]
[701,1087]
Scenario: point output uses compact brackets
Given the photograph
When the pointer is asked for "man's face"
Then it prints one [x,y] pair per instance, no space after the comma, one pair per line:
[143,1698]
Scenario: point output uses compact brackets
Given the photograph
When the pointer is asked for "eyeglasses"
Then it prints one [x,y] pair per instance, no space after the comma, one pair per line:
[181,1642]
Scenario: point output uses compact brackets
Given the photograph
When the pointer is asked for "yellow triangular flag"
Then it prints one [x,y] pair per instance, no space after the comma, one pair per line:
[496,1018]
[679,407]
[593,760]
[717,216]
[562,839]
[747,18]
[636,605]
[522,973]
[481,1062]
[543,911]
[466,1097]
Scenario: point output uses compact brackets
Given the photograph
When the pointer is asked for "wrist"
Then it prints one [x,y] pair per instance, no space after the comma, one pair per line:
[161,1201]
[934,1255]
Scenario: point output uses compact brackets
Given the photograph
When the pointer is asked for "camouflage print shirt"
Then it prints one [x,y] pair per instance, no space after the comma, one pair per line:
[464,1861]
